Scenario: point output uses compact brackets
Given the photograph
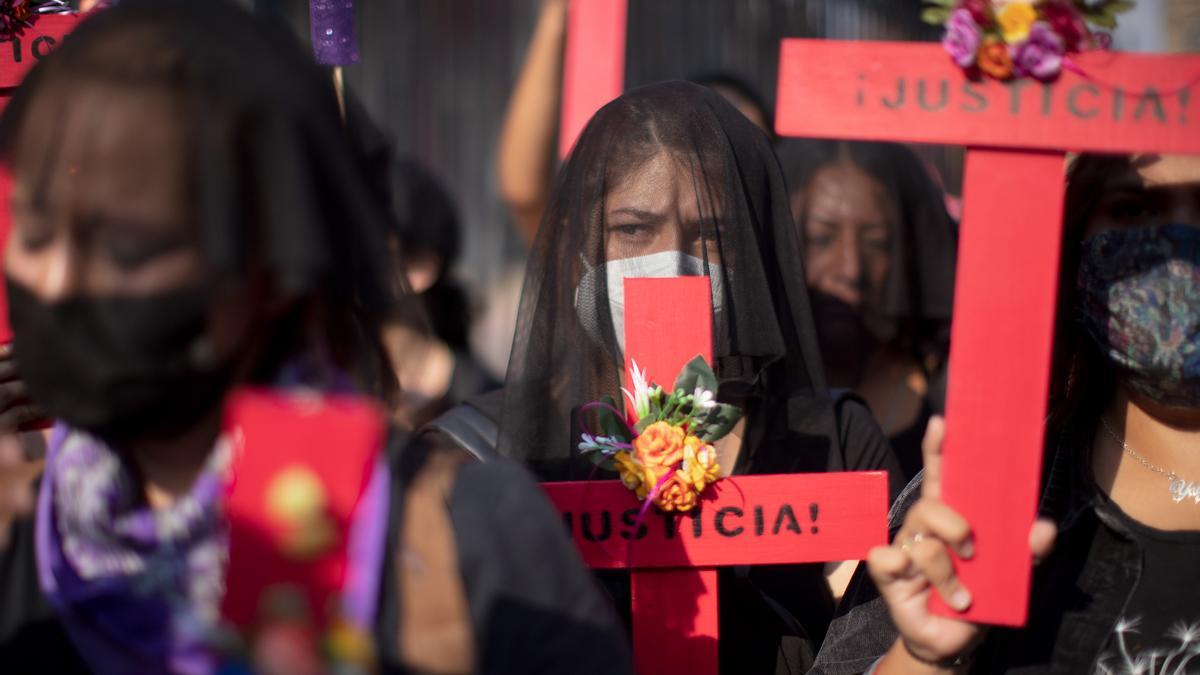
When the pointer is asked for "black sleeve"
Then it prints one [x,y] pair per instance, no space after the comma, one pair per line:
[534,606]
[864,447]
[31,638]
[862,630]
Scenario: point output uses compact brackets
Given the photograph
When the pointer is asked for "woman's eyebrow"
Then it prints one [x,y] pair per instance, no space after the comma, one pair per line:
[638,213]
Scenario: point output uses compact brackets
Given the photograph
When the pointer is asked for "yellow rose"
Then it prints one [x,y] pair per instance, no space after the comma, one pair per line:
[699,462]
[1014,20]
[676,494]
[631,472]
[650,478]
[661,444]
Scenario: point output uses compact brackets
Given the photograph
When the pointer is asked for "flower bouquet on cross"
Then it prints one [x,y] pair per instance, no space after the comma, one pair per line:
[17,15]
[663,449]
[1004,39]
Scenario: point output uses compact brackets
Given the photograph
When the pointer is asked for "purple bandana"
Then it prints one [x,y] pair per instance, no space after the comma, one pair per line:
[138,589]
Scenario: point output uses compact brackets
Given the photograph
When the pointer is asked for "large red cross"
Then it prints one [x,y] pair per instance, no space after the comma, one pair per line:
[757,520]
[1017,135]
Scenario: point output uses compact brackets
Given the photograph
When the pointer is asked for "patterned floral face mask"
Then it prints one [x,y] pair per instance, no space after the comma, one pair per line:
[1140,302]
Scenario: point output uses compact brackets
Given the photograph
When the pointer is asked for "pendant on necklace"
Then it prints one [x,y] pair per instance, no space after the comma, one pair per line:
[1182,489]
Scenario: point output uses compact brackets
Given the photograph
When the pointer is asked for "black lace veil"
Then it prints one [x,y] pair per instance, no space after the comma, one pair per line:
[668,179]
[913,311]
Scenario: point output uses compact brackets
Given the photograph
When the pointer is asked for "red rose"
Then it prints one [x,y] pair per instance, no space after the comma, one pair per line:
[980,10]
[1066,21]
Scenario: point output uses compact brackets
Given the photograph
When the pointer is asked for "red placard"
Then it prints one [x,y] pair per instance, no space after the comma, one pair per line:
[996,406]
[747,520]
[668,322]
[18,55]
[301,465]
[593,64]
[676,622]
[903,91]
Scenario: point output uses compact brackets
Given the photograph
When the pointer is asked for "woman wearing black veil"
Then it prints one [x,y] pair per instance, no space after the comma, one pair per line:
[668,180]
[189,217]
[879,249]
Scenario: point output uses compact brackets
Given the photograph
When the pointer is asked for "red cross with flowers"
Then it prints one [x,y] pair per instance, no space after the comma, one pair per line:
[1017,133]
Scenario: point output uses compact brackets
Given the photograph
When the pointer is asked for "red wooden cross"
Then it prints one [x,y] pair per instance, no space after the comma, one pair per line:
[16,58]
[1008,257]
[741,521]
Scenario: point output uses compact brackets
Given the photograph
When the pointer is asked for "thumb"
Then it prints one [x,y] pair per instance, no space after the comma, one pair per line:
[931,452]
[1041,538]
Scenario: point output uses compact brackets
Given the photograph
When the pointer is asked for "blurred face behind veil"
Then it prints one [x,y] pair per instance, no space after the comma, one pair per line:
[667,180]
[879,251]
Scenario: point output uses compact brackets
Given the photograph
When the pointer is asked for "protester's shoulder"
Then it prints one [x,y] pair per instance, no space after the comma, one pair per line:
[31,637]
[854,418]
[864,445]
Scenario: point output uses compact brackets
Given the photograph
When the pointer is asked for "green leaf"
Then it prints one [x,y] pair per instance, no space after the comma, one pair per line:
[696,373]
[719,422]
[1114,7]
[610,424]
[942,3]
[935,15]
[642,424]
[1103,20]
[602,461]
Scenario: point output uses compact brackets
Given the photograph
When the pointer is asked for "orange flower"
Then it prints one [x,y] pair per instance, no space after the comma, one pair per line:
[676,494]
[994,58]
[661,444]
[636,476]
[632,473]
[699,462]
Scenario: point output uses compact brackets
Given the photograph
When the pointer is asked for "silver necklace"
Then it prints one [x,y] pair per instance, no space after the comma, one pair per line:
[1180,489]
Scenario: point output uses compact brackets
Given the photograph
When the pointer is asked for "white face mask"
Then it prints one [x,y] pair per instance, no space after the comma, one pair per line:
[655,265]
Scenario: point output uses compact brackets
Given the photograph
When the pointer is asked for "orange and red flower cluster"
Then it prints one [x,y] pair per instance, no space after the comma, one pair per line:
[666,457]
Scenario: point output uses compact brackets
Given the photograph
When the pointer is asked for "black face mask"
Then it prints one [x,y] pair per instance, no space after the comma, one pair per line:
[845,339]
[122,368]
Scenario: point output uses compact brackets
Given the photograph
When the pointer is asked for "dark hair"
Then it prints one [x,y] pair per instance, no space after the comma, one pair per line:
[274,182]
[1081,378]
[918,299]
[743,88]
[426,221]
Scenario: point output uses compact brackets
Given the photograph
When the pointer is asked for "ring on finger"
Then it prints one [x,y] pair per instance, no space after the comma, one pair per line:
[908,542]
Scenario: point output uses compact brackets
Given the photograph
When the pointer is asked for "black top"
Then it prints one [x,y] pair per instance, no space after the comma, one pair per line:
[773,618]
[1160,626]
[534,606]
[1099,571]
[31,638]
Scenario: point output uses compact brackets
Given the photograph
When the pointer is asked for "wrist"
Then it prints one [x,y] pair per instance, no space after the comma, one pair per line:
[904,657]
